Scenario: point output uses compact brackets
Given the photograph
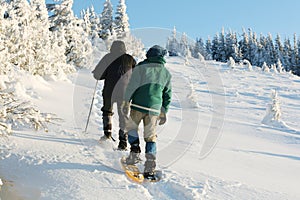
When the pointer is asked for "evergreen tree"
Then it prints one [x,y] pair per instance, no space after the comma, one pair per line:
[215,48]
[296,68]
[222,47]
[40,40]
[259,52]
[232,49]
[199,48]
[71,34]
[183,45]
[86,25]
[5,66]
[17,35]
[287,53]
[278,48]
[273,113]
[279,66]
[270,50]
[265,67]
[208,49]
[121,20]
[294,56]
[244,46]
[106,20]
[94,23]
[172,44]
[253,45]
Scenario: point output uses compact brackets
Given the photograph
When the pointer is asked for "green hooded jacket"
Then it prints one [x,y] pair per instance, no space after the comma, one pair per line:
[149,88]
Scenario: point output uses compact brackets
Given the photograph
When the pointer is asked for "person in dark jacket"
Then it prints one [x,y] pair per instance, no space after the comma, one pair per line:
[115,69]
[148,94]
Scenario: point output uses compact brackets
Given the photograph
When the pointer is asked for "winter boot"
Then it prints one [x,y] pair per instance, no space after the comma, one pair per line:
[105,138]
[150,164]
[107,126]
[122,141]
[149,170]
[134,156]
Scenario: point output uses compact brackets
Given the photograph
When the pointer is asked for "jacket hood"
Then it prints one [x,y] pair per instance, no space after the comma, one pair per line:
[118,47]
[156,51]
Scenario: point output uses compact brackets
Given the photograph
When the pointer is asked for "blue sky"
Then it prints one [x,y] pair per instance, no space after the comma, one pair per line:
[203,18]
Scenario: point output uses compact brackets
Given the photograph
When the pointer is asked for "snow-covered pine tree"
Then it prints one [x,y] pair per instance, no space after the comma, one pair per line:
[40,41]
[95,23]
[199,49]
[270,50]
[279,66]
[254,50]
[5,66]
[222,46]
[106,20]
[278,48]
[287,53]
[294,56]
[214,48]
[16,35]
[91,22]
[274,69]
[244,45]
[67,27]
[232,49]
[231,62]
[121,20]
[208,48]
[184,49]
[173,44]
[265,67]
[247,64]
[86,24]
[296,68]
[273,110]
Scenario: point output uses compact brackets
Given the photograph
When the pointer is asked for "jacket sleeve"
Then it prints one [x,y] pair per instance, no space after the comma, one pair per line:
[100,70]
[134,83]
[167,95]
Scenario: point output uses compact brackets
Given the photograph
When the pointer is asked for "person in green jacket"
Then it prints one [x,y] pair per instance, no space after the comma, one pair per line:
[148,94]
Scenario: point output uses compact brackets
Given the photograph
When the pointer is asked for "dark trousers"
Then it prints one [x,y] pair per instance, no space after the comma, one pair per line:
[107,113]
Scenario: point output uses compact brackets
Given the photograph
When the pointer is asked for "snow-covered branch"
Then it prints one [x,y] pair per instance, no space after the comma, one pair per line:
[15,113]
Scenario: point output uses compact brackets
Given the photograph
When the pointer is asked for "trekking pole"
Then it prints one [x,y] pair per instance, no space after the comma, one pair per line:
[88,119]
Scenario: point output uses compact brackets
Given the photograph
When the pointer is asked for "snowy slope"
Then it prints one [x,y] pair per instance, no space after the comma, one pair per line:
[213,146]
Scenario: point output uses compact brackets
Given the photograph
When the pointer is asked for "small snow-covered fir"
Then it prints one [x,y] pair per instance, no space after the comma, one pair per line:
[265,67]
[273,113]
[246,63]
[231,62]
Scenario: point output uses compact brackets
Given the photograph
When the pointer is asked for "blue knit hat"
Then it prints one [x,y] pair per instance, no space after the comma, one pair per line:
[155,51]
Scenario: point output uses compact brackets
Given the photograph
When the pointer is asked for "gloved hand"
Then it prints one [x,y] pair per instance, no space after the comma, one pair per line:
[125,108]
[162,118]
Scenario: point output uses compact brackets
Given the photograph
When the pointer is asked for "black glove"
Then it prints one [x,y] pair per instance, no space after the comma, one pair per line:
[162,118]
[125,108]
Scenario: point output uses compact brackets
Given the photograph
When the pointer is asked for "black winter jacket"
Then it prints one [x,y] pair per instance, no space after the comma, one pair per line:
[115,71]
